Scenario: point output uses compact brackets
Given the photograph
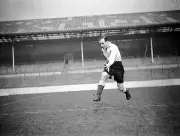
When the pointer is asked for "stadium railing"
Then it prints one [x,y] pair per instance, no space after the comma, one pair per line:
[169,68]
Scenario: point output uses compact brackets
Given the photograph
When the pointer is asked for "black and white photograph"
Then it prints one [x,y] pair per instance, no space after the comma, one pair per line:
[89,67]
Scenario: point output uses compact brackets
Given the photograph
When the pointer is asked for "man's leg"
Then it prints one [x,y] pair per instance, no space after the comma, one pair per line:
[123,89]
[119,78]
[102,82]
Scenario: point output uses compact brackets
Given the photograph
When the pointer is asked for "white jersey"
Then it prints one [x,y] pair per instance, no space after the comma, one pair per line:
[112,53]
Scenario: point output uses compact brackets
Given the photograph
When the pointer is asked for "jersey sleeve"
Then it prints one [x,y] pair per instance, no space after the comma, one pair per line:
[112,56]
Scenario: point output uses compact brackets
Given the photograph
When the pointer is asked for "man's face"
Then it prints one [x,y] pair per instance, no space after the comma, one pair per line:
[102,43]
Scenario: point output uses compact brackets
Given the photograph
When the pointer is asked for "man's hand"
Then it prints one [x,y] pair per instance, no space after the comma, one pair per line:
[107,67]
[103,49]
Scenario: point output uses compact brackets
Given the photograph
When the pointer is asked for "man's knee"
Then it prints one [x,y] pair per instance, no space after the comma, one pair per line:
[103,79]
[120,86]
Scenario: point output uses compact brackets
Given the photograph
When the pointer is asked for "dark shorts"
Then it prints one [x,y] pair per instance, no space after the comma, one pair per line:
[116,70]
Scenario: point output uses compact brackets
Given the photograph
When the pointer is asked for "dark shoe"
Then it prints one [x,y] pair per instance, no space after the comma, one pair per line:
[97,98]
[128,95]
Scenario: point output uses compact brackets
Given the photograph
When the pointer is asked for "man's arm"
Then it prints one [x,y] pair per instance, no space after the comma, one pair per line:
[112,57]
[104,53]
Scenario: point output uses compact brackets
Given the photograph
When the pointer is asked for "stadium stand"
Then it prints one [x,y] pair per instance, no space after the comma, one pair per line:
[48,47]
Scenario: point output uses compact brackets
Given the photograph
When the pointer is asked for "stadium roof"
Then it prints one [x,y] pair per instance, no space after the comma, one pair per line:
[90,25]
[90,22]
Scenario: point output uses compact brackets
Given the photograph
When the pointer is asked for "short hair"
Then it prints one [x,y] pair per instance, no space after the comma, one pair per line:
[103,37]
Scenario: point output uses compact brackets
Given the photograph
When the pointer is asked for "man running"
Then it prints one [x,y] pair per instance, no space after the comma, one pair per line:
[113,67]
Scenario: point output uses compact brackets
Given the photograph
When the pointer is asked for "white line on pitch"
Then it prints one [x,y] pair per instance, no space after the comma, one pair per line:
[86,87]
